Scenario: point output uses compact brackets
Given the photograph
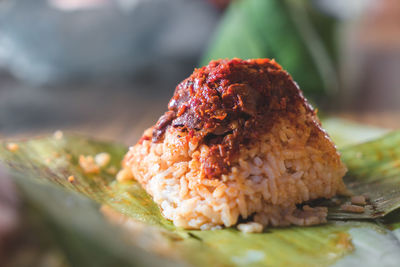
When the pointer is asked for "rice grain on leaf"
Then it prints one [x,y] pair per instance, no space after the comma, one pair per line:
[374,171]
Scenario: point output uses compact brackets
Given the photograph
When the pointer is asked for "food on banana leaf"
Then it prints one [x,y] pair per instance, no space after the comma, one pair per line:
[42,167]
[238,144]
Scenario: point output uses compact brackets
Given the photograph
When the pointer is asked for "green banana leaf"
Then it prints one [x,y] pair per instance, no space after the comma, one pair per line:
[374,171]
[290,31]
[143,237]
[345,132]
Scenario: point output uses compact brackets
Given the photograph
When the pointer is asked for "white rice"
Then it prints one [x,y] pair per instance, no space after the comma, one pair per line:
[288,165]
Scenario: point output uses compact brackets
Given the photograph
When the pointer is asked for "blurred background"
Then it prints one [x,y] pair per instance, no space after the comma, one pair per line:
[107,68]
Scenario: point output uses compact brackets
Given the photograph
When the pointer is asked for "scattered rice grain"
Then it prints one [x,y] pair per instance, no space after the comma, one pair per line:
[352,208]
[358,200]
[112,170]
[58,135]
[71,179]
[124,175]
[250,227]
[88,164]
[102,159]
[13,147]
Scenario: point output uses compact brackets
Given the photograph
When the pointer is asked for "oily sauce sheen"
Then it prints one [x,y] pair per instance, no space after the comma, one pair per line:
[228,103]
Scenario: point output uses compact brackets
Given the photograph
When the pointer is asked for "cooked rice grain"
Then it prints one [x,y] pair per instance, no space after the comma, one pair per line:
[288,165]
[358,200]
[352,208]
[250,227]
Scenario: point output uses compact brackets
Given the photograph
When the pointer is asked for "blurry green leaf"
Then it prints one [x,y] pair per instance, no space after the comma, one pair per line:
[344,132]
[36,245]
[42,167]
[372,247]
[290,31]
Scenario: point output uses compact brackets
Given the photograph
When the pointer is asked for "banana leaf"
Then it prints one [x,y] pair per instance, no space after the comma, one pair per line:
[345,132]
[142,237]
[374,171]
[291,31]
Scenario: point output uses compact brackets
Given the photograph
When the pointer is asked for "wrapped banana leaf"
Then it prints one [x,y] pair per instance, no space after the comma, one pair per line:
[81,204]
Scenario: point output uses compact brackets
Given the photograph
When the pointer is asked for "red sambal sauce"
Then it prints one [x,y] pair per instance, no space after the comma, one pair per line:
[227,104]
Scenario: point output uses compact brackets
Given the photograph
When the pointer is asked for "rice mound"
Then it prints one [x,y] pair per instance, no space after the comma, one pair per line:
[295,161]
